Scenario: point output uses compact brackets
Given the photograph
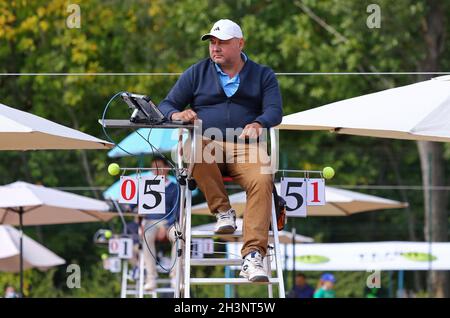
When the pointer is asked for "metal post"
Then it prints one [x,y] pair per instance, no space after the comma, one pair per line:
[141,274]
[187,247]
[179,253]
[123,293]
[21,250]
[430,225]
[401,278]
[281,289]
[269,273]
[293,254]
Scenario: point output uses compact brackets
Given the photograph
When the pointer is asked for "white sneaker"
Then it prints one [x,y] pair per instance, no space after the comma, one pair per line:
[226,222]
[253,268]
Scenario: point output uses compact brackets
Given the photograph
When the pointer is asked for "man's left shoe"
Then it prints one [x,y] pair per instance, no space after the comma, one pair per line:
[226,222]
[253,268]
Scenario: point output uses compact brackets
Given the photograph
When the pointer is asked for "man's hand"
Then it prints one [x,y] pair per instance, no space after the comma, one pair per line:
[187,115]
[251,131]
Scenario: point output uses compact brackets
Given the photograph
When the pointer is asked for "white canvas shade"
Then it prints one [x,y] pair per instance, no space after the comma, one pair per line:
[20,130]
[43,205]
[22,203]
[35,255]
[363,256]
[339,202]
[419,111]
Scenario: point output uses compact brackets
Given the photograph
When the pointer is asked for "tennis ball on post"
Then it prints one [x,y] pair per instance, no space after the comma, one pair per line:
[113,169]
[108,234]
[328,172]
[104,256]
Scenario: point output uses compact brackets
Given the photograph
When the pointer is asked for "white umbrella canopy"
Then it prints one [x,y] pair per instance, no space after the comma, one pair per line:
[22,203]
[284,236]
[419,111]
[20,130]
[339,202]
[43,205]
[34,254]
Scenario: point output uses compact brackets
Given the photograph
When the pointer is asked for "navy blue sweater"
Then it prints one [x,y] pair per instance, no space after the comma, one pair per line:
[258,98]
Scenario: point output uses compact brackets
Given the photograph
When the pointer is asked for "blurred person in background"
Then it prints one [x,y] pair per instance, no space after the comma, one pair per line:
[325,288]
[301,289]
[10,292]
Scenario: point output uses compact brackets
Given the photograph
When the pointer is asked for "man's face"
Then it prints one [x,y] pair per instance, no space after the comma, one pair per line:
[328,285]
[225,52]
[157,165]
[300,281]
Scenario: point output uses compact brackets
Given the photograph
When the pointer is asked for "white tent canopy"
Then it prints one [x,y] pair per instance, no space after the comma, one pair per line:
[22,203]
[420,111]
[20,130]
[339,202]
[43,205]
[34,254]
[284,236]
[366,256]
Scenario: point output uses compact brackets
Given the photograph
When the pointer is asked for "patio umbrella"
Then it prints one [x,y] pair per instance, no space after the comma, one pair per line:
[339,202]
[138,142]
[22,203]
[419,111]
[284,236]
[20,130]
[34,254]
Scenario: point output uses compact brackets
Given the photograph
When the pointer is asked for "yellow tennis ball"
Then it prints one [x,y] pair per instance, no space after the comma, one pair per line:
[104,256]
[108,234]
[113,169]
[328,172]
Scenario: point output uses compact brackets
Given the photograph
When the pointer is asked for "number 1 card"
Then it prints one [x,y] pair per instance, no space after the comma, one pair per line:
[316,192]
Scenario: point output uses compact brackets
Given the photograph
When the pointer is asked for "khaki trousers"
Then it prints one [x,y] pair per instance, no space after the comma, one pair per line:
[248,164]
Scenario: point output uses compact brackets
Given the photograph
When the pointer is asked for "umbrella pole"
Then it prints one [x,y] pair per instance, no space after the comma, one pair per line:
[293,254]
[21,250]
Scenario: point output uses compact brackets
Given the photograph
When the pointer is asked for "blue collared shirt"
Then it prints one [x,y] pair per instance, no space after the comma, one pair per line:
[229,85]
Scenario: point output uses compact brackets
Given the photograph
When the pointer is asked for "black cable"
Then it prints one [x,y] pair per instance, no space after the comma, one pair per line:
[153,149]
[104,128]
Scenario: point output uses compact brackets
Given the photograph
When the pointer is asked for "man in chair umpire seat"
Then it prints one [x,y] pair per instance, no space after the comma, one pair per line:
[231,93]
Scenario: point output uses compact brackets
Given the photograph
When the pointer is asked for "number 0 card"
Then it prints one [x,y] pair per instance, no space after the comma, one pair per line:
[128,190]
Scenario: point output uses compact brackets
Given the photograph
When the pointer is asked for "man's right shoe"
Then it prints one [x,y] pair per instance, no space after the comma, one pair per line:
[253,268]
[226,222]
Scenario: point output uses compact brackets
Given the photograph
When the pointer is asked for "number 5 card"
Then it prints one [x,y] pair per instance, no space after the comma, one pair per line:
[152,195]
[293,190]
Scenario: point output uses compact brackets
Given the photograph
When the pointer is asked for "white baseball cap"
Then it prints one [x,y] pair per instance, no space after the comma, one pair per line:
[224,30]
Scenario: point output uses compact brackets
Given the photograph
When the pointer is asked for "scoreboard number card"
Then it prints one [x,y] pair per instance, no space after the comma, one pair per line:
[128,190]
[152,195]
[293,190]
[315,192]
